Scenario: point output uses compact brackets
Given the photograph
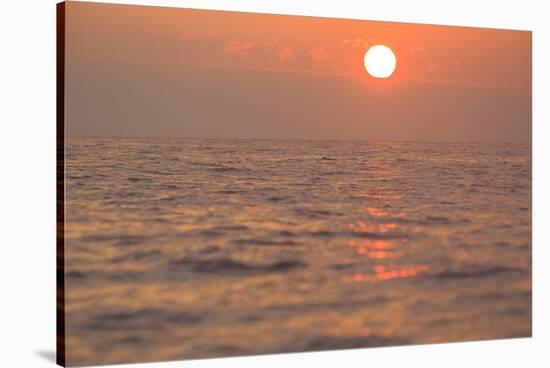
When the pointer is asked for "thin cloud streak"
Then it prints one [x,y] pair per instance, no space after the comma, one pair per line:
[347,75]
[459,83]
[278,70]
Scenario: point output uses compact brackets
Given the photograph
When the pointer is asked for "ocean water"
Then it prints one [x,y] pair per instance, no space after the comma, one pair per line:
[194,248]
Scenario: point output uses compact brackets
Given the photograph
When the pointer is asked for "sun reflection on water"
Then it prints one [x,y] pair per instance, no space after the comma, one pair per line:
[382,273]
[381,243]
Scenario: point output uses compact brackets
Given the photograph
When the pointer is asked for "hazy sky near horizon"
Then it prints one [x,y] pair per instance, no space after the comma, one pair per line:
[153,71]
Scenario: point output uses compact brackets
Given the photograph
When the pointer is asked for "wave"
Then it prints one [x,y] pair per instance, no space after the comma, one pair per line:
[478,272]
[227,265]
[268,242]
[141,319]
[333,342]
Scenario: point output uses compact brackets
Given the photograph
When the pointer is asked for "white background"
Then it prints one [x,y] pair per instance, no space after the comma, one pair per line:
[27,181]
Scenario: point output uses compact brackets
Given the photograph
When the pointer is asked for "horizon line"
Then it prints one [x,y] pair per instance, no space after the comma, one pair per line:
[300,139]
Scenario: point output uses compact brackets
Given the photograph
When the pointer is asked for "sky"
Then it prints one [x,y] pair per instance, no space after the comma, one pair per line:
[171,72]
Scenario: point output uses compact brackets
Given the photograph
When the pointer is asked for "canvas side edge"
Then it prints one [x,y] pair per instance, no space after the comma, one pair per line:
[60,183]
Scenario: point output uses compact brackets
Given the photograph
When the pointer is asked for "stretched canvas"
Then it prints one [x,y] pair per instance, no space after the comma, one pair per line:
[235,183]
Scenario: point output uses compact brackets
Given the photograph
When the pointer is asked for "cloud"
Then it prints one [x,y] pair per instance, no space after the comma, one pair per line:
[286,53]
[356,43]
[238,48]
[318,55]
[360,44]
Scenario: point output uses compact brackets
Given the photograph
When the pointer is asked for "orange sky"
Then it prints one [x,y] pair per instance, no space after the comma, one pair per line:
[150,71]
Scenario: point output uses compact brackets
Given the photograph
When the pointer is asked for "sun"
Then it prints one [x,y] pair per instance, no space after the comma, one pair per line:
[380,61]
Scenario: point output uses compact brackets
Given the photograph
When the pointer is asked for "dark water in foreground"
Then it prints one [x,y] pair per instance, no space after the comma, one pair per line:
[188,248]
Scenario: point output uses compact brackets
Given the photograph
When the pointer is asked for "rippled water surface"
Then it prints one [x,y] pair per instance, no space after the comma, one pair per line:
[191,248]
